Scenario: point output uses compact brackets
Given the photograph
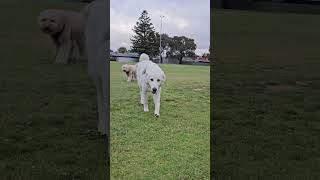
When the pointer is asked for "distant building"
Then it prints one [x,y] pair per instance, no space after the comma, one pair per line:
[124,57]
[134,57]
[202,59]
[166,60]
[172,60]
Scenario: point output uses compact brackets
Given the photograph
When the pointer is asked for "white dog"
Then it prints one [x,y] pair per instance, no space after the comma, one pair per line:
[150,77]
[130,71]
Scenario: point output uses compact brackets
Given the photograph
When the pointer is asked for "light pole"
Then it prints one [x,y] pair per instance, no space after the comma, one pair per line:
[160,48]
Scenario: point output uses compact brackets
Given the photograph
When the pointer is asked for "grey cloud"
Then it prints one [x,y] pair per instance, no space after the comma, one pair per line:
[190,18]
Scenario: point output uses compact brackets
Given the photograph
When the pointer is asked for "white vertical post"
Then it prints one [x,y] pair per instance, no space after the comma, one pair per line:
[160,39]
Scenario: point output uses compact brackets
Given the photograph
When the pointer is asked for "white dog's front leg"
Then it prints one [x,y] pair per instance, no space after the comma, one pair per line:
[145,100]
[141,96]
[156,100]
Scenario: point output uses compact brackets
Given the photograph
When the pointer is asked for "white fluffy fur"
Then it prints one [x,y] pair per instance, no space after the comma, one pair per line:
[144,57]
[150,77]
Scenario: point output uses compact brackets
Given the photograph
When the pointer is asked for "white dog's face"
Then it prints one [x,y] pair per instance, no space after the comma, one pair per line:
[155,82]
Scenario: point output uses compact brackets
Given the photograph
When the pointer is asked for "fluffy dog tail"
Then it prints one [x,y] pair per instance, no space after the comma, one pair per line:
[144,57]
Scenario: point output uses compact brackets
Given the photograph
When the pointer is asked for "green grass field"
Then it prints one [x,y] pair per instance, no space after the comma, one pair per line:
[266,95]
[47,112]
[174,146]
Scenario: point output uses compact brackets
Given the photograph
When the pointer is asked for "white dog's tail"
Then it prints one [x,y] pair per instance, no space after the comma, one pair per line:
[144,57]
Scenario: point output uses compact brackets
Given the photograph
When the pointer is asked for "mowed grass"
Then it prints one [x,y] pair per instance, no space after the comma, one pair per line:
[174,146]
[47,112]
[266,95]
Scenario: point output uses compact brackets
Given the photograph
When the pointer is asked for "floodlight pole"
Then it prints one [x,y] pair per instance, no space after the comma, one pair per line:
[160,39]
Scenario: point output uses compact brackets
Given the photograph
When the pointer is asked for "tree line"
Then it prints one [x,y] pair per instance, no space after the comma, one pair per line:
[147,40]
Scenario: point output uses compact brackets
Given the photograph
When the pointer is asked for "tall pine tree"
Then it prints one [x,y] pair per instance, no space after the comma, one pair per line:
[144,40]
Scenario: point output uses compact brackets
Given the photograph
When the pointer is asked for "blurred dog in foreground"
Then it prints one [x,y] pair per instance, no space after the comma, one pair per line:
[150,77]
[66,28]
[97,43]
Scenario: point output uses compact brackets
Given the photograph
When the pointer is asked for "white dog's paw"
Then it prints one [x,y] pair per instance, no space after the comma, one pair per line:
[157,115]
[146,110]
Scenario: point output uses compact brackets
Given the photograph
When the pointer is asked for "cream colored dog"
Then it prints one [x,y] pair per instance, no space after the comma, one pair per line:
[130,71]
[66,29]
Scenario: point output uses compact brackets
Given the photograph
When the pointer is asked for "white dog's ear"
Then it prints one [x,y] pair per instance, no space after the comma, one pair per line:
[164,77]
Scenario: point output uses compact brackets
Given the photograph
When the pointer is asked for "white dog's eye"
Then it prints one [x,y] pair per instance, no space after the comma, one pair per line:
[158,80]
[151,79]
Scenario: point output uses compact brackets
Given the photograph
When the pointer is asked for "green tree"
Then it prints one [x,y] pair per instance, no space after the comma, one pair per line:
[144,40]
[122,50]
[206,55]
[181,46]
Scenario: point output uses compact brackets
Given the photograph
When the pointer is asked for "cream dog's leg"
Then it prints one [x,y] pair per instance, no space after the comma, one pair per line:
[74,53]
[134,77]
[130,76]
[63,52]
[81,47]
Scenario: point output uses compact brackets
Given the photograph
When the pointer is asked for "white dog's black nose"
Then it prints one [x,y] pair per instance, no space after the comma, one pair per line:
[154,90]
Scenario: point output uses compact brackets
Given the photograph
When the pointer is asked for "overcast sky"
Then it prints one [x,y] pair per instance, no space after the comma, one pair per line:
[190,18]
